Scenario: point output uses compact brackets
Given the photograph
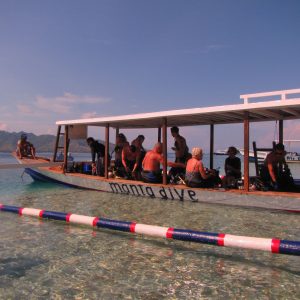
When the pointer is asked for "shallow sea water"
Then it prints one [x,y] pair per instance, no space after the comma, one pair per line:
[42,259]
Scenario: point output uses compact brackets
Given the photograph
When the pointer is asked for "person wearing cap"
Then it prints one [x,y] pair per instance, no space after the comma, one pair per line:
[196,174]
[232,168]
[25,148]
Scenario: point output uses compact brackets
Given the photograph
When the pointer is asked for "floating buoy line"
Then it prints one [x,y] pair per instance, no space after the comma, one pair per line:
[218,239]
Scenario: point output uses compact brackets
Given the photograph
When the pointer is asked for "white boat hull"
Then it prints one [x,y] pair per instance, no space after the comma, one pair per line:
[170,192]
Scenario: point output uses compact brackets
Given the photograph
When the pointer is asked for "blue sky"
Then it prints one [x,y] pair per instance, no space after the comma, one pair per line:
[71,59]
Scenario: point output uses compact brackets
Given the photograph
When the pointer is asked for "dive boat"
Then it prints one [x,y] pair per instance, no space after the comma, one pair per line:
[261,155]
[292,157]
[220,152]
[285,109]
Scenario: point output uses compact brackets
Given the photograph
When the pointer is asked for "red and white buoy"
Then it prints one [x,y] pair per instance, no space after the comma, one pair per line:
[218,239]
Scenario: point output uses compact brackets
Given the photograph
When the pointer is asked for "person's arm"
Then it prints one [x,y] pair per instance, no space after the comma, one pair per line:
[93,152]
[284,161]
[32,150]
[271,172]
[143,162]
[19,150]
[124,158]
[239,166]
[137,160]
[226,167]
[202,171]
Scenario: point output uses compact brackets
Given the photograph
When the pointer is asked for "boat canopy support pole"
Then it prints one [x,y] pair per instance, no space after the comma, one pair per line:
[66,147]
[211,152]
[117,133]
[106,162]
[56,143]
[165,154]
[116,140]
[159,135]
[280,138]
[246,149]
[280,133]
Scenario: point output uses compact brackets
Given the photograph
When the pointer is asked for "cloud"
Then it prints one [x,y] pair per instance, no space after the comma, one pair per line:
[207,49]
[67,102]
[89,115]
[53,105]
[3,126]
[24,109]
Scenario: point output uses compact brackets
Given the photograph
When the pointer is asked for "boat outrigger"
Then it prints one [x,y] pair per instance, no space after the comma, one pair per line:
[284,105]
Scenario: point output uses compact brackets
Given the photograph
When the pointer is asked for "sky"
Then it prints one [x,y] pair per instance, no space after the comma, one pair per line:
[70,59]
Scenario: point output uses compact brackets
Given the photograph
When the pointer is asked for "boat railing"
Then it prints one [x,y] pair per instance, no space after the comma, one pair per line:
[282,94]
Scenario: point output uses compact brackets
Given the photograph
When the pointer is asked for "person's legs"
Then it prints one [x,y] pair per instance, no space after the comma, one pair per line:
[151,177]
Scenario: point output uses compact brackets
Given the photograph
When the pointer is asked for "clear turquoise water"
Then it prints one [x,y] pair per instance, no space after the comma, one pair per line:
[52,260]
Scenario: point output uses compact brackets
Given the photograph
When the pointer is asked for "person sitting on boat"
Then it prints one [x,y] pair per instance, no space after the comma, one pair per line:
[272,173]
[60,156]
[121,142]
[97,149]
[138,143]
[70,157]
[232,168]
[151,172]
[130,161]
[181,152]
[197,175]
[25,148]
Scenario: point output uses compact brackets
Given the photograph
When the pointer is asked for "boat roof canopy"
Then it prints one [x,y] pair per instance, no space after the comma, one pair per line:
[278,105]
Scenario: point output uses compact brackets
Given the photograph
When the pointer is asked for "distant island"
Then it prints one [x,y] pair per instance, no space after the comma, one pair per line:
[42,143]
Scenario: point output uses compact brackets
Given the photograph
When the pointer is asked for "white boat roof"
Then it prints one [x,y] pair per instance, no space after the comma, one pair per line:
[277,105]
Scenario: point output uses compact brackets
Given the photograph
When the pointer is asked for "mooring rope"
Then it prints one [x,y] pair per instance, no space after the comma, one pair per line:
[218,239]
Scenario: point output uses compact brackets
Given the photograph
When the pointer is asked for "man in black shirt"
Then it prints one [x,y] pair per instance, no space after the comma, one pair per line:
[99,150]
[232,168]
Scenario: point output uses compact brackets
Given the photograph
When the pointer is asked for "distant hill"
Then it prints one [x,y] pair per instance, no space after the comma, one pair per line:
[42,143]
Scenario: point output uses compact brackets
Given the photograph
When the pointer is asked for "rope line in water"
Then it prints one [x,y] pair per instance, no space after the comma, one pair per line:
[217,239]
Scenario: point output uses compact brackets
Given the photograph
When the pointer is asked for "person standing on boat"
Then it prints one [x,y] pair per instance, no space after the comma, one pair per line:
[232,168]
[25,148]
[151,172]
[198,176]
[181,153]
[272,173]
[97,149]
